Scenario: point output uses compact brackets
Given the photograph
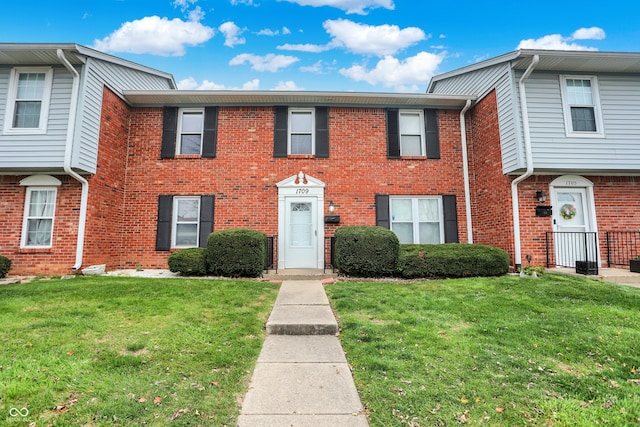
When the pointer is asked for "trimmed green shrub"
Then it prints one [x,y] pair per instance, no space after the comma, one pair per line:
[188,262]
[451,260]
[5,265]
[238,252]
[366,251]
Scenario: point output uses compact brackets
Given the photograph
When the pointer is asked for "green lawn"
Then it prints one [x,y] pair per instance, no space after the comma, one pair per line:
[124,351]
[506,351]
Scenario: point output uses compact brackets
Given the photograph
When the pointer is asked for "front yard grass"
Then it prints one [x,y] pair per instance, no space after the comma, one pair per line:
[98,351]
[505,351]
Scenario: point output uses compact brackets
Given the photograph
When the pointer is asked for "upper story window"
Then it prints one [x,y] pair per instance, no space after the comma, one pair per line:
[417,220]
[581,105]
[28,100]
[190,125]
[412,141]
[301,131]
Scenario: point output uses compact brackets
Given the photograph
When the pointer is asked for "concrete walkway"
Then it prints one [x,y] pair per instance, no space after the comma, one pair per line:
[302,378]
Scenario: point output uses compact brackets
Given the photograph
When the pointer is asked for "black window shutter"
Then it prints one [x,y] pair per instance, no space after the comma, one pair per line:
[206,219]
[382,211]
[210,132]
[280,131]
[431,133]
[393,134]
[322,132]
[450,219]
[163,226]
[169,132]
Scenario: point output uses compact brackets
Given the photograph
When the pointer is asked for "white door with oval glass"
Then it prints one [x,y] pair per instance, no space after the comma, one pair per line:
[574,240]
[301,233]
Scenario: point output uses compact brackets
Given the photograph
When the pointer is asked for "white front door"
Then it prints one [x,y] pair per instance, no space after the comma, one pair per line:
[301,232]
[571,223]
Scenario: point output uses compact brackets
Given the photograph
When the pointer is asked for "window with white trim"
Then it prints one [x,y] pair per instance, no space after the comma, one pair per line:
[581,105]
[412,140]
[39,210]
[301,131]
[186,222]
[28,100]
[190,130]
[417,219]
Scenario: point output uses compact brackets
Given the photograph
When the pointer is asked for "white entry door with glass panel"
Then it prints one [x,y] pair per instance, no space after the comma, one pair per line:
[573,241]
[301,232]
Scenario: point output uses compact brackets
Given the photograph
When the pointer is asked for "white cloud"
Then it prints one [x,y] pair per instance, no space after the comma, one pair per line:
[191,84]
[184,4]
[315,68]
[306,47]
[247,2]
[378,40]
[269,32]
[288,85]
[268,62]
[559,42]
[359,7]
[231,34]
[402,75]
[156,36]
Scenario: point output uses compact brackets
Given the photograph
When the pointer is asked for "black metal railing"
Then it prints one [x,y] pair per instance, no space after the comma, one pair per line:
[271,257]
[622,246]
[572,249]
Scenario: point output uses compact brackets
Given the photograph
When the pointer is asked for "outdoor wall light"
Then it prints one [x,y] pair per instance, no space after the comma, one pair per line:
[332,208]
[541,196]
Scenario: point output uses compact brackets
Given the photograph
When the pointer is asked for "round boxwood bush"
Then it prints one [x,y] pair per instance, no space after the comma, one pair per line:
[5,265]
[188,262]
[366,251]
[237,252]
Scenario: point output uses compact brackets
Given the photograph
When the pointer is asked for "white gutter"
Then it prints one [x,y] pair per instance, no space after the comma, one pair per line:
[528,159]
[465,168]
[68,151]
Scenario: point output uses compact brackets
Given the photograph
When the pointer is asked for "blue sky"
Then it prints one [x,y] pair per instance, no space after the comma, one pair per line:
[326,45]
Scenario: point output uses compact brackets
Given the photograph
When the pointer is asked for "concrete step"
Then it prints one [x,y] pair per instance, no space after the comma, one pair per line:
[302,308]
[299,274]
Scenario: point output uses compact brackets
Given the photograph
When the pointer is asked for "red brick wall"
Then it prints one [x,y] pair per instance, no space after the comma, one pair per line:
[51,261]
[490,189]
[243,175]
[105,212]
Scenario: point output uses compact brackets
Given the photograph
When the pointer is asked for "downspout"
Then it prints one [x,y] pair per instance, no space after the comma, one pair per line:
[465,168]
[528,159]
[68,151]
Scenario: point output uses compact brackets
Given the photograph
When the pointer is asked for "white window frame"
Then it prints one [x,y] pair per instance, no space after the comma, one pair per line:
[415,215]
[311,111]
[179,133]
[12,99]
[423,145]
[597,110]
[175,222]
[27,217]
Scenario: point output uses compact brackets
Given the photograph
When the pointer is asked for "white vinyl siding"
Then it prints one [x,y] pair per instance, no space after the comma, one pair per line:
[301,131]
[186,222]
[412,140]
[581,106]
[417,219]
[28,101]
[190,129]
[37,228]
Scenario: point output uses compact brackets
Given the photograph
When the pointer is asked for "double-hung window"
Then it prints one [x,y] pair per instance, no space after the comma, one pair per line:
[28,100]
[37,228]
[412,141]
[186,216]
[581,106]
[301,131]
[190,130]
[417,219]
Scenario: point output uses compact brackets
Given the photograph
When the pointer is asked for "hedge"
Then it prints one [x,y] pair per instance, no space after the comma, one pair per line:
[366,251]
[451,260]
[237,252]
[188,262]
[5,265]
